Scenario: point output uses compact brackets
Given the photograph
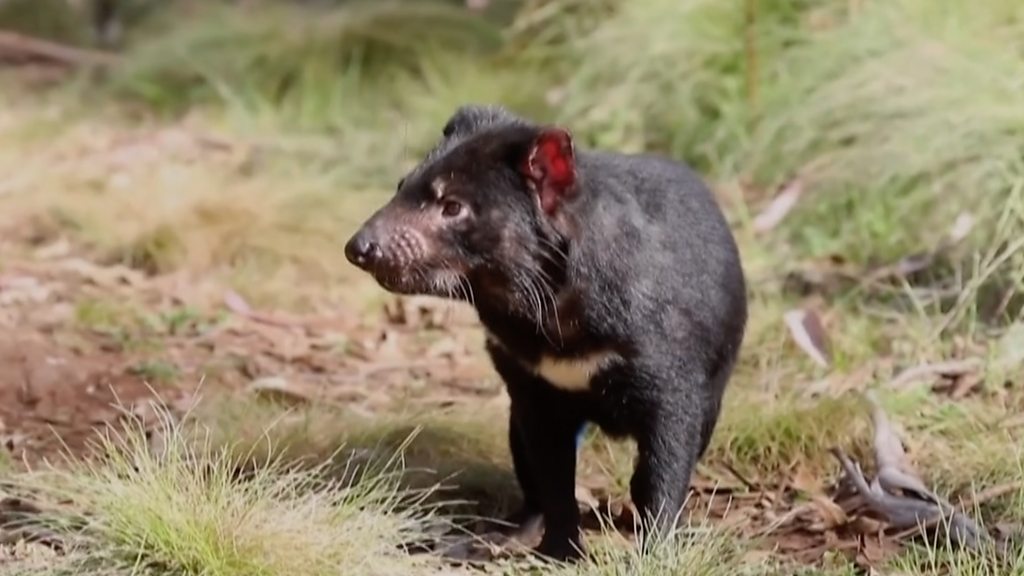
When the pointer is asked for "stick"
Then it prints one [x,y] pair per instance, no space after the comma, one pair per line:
[30,47]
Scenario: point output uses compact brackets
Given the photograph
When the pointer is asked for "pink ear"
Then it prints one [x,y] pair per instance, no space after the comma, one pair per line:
[551,167]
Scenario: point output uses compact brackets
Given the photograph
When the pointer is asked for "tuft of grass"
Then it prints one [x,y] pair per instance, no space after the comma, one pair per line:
[933,558]
[699,549]
[177,507]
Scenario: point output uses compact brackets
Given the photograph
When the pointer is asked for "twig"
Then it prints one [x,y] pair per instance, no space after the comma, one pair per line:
[743,479]
[948,368]
[993,493]
[13,43]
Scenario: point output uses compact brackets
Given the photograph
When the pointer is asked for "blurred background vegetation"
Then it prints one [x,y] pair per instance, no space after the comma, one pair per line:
[880,113]
[869,154]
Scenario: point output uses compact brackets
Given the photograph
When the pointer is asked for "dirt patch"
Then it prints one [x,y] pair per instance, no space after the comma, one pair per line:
[51,394]
[80,343]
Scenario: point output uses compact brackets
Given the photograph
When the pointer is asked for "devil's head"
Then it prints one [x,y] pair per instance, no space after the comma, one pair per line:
[481,216]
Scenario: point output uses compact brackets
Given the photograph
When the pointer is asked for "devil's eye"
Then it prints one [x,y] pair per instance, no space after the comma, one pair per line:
[400,182]
[451,208]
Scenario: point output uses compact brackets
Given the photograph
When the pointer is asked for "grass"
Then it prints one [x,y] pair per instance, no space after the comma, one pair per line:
[180,507]
[699,550]
[461,456]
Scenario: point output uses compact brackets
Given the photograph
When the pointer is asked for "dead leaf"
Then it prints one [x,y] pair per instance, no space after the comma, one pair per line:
[830,513]
[964,385]
[894,469]
[962,226]
[805,481]
[234,302]
[102,276]
[22,289]
[921,372]
[281,390]
[809,334]
[779,207]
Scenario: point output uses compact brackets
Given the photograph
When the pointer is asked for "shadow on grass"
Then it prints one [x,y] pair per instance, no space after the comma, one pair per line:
[461,458]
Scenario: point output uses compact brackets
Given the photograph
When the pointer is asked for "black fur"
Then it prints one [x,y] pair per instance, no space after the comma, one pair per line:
[638,260]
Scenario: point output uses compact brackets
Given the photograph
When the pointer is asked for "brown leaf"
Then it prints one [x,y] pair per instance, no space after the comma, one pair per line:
[103,276]
[964,385]
[805,481]
[831,513]
[779,207]
[283,391]
[809,334]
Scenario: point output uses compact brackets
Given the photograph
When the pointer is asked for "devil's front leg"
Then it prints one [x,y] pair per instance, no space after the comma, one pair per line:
[543,429]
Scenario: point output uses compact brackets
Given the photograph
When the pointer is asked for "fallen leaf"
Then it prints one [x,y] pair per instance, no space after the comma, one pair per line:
[807,331]
[779,207]
[831,513]
[962,226]
[921,372]
[894,469]
[280,390]
[964,385]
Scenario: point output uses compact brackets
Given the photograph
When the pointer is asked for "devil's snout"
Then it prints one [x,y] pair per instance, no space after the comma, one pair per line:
[362,250]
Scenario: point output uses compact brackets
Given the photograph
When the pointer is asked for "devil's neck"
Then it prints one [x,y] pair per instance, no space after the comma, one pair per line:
[530,325]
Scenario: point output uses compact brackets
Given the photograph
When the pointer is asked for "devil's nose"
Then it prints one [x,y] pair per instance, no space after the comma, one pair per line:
[362,251]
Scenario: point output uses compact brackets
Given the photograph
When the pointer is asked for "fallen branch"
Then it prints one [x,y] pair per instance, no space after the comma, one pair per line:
[948,368]
[898,494]
[13,44]
[911,515]
[993,493]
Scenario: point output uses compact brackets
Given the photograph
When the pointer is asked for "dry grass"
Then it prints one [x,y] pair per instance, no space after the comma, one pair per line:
[175,506]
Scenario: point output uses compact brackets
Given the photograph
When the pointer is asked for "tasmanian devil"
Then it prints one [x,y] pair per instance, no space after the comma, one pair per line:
[609,285]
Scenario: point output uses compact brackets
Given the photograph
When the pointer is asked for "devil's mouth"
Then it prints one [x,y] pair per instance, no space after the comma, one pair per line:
[405,283]
[399,284]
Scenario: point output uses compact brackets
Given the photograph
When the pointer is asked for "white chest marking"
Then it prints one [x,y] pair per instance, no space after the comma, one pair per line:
[573,374]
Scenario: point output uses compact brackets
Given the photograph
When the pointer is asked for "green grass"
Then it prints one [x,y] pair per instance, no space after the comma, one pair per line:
[180,507]
[699,550]
[6,462]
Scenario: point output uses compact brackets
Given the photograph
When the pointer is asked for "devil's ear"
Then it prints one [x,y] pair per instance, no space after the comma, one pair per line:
[550,167]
